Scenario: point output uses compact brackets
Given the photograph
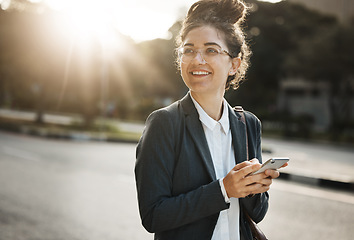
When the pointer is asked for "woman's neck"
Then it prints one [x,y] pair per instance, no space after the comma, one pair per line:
[211,104]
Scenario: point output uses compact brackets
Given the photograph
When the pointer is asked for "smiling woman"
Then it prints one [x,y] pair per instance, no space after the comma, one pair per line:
[193,153]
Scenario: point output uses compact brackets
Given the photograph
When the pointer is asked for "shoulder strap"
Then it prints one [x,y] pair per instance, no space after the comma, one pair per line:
[257,233]
[239,109]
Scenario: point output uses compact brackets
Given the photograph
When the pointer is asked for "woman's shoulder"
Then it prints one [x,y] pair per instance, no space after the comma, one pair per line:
[248,114]
[250,117]
[167,112]
[165,115]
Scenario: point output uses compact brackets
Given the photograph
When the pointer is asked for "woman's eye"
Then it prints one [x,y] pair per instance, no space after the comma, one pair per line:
[211,51]
[188,51]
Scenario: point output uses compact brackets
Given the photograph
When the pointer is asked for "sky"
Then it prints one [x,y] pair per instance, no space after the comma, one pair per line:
[140,19]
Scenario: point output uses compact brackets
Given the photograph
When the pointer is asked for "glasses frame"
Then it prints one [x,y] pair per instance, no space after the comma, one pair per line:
[196,50]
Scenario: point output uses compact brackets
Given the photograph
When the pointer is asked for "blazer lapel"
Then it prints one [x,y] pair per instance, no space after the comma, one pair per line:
[197,132]
[238,131]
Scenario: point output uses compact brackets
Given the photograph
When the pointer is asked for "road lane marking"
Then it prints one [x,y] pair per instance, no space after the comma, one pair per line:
[19,153]
[313,192]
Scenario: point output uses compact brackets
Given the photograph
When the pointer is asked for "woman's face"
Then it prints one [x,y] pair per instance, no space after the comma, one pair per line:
[207,76]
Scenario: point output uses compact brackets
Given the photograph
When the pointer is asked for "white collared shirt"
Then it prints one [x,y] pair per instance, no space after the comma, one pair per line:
[218,135]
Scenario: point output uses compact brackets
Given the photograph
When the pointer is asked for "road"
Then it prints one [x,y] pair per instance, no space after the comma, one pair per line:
[72,190]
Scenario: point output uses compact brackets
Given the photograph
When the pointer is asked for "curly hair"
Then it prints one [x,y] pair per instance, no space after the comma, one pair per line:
[227,17]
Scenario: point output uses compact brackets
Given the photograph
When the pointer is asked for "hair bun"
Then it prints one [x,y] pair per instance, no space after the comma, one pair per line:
[225,10]
[231,10]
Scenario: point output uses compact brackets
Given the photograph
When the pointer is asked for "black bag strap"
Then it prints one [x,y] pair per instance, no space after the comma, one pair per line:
[257,233]
[240,110]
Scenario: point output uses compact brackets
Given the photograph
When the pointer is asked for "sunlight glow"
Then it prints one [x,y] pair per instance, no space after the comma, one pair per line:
[5,4]
[271,1]
[87,19]
[141,24]
[141,20]
[128,17]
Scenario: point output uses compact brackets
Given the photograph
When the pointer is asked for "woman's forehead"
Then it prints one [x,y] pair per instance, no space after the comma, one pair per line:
[205,35]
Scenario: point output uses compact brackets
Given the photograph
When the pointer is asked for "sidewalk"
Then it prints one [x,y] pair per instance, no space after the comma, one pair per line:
[322,165]
[318,164]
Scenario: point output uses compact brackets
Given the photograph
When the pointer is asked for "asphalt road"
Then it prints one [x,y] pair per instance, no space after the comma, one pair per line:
[53,190]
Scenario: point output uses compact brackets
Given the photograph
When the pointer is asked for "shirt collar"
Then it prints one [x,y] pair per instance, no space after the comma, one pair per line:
[210,122]
[224,120]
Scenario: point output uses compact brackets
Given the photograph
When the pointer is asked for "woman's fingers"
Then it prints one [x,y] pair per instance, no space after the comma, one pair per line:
[236,181]
[285,165]
[242,165]
[257,188]
[270,173]
[245,164]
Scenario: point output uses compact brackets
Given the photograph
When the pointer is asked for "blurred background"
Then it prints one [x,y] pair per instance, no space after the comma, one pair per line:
[94,70]
[116,59]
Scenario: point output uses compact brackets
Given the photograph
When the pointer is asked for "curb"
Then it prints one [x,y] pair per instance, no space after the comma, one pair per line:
[318,181]
[83,137]
[73,135]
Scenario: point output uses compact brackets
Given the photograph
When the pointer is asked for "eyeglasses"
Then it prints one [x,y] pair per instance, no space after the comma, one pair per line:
[208,54]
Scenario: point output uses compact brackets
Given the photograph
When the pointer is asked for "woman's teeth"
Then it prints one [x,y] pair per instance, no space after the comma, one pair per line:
[200,73]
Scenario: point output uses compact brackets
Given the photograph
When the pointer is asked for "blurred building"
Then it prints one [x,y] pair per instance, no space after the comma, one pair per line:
[301,97]
[343,9]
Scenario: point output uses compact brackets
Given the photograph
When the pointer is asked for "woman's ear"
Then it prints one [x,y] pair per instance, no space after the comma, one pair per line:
[236,62]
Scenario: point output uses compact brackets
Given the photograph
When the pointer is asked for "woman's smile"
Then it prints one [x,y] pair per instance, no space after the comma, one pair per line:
[200,73]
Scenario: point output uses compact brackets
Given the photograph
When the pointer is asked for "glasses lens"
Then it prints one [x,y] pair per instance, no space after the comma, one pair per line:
[186,54]
[212,51]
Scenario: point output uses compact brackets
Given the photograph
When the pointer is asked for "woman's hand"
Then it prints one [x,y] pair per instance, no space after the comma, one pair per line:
[268,175]
[239,183]
[274,173]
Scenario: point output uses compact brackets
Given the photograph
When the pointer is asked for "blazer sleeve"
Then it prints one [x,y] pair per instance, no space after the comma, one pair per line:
[154,170]
[256,206]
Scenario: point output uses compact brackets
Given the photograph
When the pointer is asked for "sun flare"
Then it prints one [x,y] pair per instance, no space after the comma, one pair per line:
[102,18]
[87,20]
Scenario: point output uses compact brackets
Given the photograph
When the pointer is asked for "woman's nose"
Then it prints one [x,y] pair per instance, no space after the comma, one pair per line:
[199,58]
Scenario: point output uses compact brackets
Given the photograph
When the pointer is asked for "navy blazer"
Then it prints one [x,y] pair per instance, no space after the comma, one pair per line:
[178,194]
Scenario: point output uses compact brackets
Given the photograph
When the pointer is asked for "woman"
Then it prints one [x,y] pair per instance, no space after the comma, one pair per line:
[192,172]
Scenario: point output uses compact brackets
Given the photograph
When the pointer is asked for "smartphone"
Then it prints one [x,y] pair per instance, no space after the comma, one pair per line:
[273,163]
